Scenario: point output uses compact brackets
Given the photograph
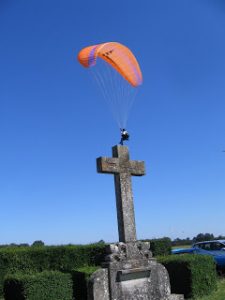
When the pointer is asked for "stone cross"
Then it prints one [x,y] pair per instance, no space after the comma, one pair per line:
[123,169]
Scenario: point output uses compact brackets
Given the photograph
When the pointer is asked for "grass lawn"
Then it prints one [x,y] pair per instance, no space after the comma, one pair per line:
[219,294]
[178,247]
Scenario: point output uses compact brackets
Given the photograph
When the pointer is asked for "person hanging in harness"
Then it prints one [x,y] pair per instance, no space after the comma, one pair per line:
[124,135]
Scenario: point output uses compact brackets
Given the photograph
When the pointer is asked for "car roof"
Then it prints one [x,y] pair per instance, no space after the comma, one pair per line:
[212,241]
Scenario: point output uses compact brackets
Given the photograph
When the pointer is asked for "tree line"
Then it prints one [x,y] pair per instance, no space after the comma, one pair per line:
[35,244]
[176,242]
[198,238]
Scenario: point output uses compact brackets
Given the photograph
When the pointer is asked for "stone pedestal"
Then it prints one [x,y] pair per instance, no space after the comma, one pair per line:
[130,273]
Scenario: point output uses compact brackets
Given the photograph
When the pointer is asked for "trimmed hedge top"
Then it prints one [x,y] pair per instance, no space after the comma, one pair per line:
[38,259]
[60,258]
[191,275]
[47,285]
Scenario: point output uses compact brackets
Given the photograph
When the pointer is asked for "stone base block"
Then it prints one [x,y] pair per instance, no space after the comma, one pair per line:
[130,273]
[176,297]
[130,289]
[98,285]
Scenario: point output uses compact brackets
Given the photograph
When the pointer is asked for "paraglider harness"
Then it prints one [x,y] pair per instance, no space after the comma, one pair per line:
[124,136]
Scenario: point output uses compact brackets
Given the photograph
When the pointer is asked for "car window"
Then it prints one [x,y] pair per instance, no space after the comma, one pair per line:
[210,246]
[206,246]
[197,246]
[216,246]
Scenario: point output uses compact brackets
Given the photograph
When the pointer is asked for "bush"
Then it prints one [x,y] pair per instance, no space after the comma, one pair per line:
[38,259]
[80,281]
[191,275]
[160,246]
[48,285]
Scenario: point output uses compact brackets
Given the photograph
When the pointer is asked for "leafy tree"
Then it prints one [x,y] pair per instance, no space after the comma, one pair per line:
[203,237]
[101,242]
[38,244]
[23,245]
[220,237]
[181,242]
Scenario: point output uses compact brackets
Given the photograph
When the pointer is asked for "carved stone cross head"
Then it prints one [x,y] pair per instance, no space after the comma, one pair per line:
[123,168]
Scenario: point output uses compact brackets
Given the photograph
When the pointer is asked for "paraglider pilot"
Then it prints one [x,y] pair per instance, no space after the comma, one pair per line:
[124,136]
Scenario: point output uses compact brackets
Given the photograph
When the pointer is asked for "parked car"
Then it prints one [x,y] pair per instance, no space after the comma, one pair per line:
[215,248]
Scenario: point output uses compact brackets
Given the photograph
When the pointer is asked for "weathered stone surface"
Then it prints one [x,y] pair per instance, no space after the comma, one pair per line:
[176,297]
[135,277]
[98,285]
[121,252]
[134,274]
[129,271]
[123,169]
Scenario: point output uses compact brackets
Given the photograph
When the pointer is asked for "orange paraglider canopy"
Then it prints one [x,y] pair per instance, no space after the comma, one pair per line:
[118,56]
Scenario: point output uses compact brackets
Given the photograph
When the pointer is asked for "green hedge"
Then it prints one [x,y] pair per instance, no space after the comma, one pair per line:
[160,246]
[48,285]
[80,281]
[191,275]
[38,259]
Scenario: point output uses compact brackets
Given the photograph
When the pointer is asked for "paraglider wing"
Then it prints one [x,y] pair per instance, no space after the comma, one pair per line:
[118,56]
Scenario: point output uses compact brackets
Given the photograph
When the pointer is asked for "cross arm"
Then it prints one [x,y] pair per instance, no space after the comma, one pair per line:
[108,165]
[137,167]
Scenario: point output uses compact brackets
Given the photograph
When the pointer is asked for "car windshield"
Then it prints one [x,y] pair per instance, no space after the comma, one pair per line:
[210,246]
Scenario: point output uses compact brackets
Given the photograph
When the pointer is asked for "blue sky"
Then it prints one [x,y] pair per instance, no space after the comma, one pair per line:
[54,124]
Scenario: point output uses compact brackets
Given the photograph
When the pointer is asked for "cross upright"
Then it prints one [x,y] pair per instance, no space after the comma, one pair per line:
[123,168]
